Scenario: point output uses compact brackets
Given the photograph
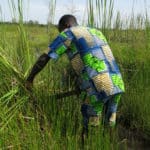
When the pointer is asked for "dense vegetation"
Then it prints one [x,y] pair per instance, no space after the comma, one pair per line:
[37,120]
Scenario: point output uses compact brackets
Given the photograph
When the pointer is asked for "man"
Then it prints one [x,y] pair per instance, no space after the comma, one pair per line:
[99,78]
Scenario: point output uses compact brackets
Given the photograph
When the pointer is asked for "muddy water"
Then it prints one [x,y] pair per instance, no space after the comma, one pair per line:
[130,140]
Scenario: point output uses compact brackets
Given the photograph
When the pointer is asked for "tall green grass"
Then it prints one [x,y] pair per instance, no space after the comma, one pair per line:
[38,121]
[100,14]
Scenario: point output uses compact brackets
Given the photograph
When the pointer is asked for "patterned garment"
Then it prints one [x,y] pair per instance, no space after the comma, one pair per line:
[92,60]
[98,73]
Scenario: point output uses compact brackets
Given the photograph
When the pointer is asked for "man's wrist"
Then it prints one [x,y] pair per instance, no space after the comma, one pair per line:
[30,79]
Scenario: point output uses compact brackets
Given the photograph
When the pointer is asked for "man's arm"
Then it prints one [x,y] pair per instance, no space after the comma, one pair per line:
[38,66]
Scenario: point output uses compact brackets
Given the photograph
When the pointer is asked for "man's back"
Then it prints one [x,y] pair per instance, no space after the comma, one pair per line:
[91,58]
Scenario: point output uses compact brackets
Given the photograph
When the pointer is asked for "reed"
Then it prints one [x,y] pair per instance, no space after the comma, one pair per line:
[39,121]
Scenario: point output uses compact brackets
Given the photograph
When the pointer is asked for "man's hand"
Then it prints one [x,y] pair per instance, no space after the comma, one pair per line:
[37,67]
[29,85]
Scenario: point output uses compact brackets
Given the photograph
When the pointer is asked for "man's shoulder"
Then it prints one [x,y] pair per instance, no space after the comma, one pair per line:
[78,28]
[81,29]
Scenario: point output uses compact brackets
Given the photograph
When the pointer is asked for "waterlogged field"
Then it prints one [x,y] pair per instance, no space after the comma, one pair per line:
[37,120]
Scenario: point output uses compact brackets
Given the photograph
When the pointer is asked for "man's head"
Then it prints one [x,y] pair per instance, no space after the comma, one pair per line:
[66,21]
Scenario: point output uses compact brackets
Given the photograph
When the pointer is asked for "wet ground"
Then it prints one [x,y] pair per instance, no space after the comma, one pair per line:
[132,140]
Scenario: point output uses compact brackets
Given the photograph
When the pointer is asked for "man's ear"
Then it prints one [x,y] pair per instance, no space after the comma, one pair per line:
[68,25]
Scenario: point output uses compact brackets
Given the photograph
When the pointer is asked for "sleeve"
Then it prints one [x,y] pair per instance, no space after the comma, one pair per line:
[60,45]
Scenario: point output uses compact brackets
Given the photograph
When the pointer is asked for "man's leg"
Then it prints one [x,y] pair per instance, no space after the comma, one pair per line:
[91,111]
[97,108]
[111,109]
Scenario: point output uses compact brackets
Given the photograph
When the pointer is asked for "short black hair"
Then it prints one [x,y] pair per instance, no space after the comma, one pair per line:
[67,21]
